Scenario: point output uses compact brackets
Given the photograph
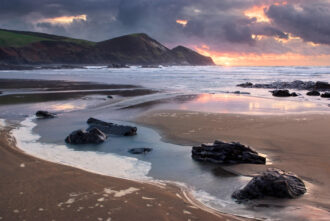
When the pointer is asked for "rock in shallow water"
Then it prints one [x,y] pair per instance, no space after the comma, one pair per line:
[226,153]
[283,93]
[274,183]
[93,136]
[313,93]
[326,95]
[110,128]
[45,114]
[141,150]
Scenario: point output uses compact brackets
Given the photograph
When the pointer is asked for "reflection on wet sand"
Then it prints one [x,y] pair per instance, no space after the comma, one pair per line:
[231,103]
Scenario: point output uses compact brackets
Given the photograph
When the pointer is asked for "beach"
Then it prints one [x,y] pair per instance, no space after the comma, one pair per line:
[106,182]
[34,189]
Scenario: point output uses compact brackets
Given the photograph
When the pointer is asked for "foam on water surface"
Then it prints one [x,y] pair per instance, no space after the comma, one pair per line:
[102,163]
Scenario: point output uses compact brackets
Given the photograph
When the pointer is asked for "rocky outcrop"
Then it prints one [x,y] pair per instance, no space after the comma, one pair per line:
[92,136]
[226,153]
[326,95]
[283,93]
[110,128]
[141,150]
[273,183]
[313,93]
[118,66]
[299,85]
[45,114]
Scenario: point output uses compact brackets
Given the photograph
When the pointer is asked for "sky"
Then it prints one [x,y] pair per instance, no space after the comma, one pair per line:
[232,32]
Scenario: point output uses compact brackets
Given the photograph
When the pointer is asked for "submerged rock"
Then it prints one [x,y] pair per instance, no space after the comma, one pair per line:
[283,93]
[246,85]
[226,153]
[110,97]
[45,114]
[110,128]
[274,183]
[93,136]
[141,150]
[326,95]
[313,93]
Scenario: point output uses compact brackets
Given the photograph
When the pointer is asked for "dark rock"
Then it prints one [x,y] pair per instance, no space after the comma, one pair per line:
[240,92]
[118,66]
[150,66]
[110,97]
[322,85]
[45,114]
[246,85]
[0,92]
[326,95]
[141,150]
[226,153]
[274,183]
[92,136]
[313,93]
[283,93]
[110,128]
[299,85]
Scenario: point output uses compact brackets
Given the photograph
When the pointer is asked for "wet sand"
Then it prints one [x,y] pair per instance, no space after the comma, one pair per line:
[297,143]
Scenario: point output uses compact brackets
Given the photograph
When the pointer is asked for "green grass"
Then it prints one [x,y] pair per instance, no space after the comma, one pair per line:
[21,39]
[11,39]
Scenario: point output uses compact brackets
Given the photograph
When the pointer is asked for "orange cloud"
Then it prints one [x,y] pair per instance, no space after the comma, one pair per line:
[182,22]
[64,20]
[252,59]
[257,12]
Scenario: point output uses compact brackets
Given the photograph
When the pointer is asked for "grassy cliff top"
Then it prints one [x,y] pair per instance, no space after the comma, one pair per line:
[10,38]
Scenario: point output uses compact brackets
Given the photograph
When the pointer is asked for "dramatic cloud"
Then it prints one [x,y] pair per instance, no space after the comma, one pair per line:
[217,27]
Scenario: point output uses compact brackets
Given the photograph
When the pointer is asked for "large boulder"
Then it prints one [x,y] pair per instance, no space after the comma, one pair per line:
[45,114]
[273,183]
[226,153]
[321,85]
[111,128]
[93,136]
[283,93]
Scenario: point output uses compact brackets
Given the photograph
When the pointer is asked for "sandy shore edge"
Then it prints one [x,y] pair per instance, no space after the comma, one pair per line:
[173,194]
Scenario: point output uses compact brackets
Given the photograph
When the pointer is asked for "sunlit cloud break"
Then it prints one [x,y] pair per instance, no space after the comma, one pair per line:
[63,20]
[182,22]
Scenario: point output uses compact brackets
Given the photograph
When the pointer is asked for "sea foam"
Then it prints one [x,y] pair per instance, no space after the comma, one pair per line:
[101,163]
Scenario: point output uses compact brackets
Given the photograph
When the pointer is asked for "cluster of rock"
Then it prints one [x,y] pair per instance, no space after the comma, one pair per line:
[226,153]
[98,131]
[273,183]
[282,86]
[118,66]
[283,93]
[299,85]
[44,114]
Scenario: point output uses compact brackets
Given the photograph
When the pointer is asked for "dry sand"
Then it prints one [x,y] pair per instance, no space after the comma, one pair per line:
[298,143]
[33,189]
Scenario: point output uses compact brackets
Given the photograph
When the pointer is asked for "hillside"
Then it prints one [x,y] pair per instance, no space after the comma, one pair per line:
[19,47]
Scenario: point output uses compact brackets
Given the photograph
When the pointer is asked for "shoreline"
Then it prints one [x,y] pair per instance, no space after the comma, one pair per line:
[287,140]
[172,188]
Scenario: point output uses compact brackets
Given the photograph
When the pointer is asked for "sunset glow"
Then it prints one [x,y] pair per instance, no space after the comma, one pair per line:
[257,12]
[64,20]
[251,59]
[182,22]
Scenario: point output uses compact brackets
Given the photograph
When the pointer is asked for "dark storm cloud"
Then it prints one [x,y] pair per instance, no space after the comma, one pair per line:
[220,24]
[310,20]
